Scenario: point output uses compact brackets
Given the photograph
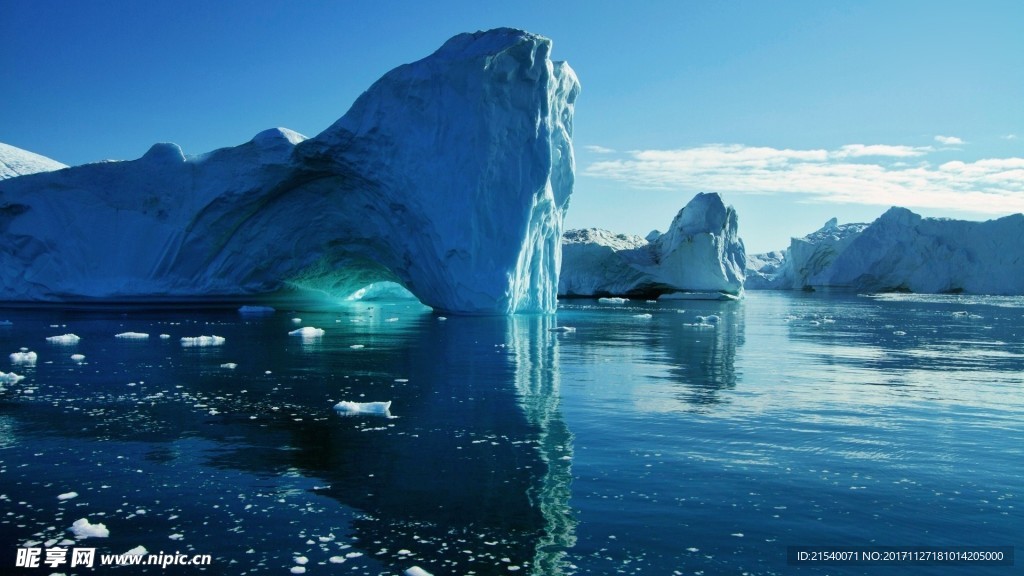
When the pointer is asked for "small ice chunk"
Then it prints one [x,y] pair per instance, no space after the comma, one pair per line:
[137,551]
[67,496]
[442,318]
[78,358]
[357,346]
[202,341]
[713,319]
[307,332]
[370,408]
[82,529]
[336,560]
[176,536]
[417,571]
[256,310]
[899,333]
[298,570]
[165,336]
[562,329]
[64,339]
[644,316]
[613,300]
[301,560]
[132,335]
[229,365]
[11,378]
[24,357]
[297,320]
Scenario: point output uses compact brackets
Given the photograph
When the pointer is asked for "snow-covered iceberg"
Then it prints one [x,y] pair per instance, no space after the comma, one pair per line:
[449,175]
[902,251]
[701,253]
[17,162]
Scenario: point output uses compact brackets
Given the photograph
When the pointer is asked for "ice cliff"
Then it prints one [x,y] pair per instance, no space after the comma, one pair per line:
[701,253]
[18,162]
[449,176]
[902,251]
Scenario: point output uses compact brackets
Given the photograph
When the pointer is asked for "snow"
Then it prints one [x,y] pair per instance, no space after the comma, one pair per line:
[370,408]
[82,529]
[132,336]
[308,332]
[902,251]
[701,253]
[202,341]
[64,339]
[459,198]
[10,378]
[17,162]
[24,357]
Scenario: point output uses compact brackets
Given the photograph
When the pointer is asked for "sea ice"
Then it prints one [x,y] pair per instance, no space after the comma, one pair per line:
[417,571]
[369,408]
[202,341]
[137,551]
[132,335]
[307,332]
[78,358]
[229,365]
[24,357]
[613,300]
[10,378]
[64,339]
[67,496]
[82,529]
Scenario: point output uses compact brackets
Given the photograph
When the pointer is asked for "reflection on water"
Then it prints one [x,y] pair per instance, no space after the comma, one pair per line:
[639,443]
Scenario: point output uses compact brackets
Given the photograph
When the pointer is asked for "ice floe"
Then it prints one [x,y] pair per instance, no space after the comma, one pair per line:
[614,300]
[78,358]
[64,339]
[202,341]
[369,408]
[24,357]
[229,365]
[67,496]
[308,332]
[132,335]
[82,529]
[10,378]
[417,571]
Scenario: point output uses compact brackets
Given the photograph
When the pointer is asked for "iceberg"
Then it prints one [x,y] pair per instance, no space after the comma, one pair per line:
[904,252]
[450,176]
[700,254]
[370,408]
[17,162]
[82,529]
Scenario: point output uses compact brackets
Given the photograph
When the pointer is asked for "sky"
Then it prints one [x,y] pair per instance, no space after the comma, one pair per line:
[794,111]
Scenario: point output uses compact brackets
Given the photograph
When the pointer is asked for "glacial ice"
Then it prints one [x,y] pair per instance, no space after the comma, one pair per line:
[902,251]
[370,408]
[449,176]
[17,162]
[700,254]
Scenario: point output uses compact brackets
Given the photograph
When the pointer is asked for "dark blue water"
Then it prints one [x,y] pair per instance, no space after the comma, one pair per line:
[634,445]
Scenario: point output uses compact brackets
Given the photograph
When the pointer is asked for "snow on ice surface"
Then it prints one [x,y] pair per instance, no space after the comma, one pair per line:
[24,357]
[369,408]
[202,341]
[132,336]
[64,339]
[17,162]
[82,529]
[460,198]
[701,252]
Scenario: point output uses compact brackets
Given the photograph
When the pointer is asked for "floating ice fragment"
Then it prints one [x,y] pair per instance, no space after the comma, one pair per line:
[713,319]
[67,496]
[137,551]
[301,560]
[737,534]
[336,560]
[256,310]
[11,378]
[441,318]
[298,570]
[644,316]
[899,333]
[64,339]
[297,320]
[562,329]
[132,335]
[417,571]
[357,346]
[202,341]
[78,358]
[82,528]
[613,300]
[176,536]
[307,332]
[24,357]
[165,336]
[229,365]
[369,408]
[961,313]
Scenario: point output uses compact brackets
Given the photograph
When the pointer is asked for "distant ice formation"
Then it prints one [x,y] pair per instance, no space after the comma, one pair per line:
[902,252]
[82,529]
[701,253]
[370,408]
[64,339]
[449,176]
[190,341]
[18,162]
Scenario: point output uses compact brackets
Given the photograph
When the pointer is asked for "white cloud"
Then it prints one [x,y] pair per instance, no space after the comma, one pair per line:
[948,140]
[598,149]
[859,174]
[1010,137]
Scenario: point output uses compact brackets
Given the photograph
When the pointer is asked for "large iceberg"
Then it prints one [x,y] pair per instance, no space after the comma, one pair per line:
[902,251]
[700,255]
[17,162]
[449,176]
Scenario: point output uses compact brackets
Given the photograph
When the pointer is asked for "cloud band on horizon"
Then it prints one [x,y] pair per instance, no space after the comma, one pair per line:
[856,173]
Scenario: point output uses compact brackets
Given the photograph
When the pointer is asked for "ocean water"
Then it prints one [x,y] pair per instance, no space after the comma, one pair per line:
[643,442]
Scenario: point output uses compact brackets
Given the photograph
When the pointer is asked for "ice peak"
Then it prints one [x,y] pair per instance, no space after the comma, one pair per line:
[17,162]
[164,152]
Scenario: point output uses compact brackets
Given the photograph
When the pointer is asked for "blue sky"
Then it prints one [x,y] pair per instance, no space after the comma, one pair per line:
[794,111]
